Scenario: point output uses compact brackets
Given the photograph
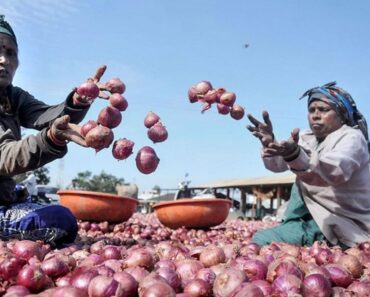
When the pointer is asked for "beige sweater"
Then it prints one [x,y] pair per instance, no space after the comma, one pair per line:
[334,181]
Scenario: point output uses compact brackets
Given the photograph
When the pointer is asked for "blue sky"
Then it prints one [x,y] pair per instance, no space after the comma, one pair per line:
[161,48]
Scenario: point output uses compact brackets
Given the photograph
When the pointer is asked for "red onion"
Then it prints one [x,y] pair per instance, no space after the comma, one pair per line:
[324,256]
[128,283]
[165,264]
[339,275]
[10,267]
[316,285]
[227,282]
[237,112]
[212,255]
[228,98]
[64,280]
[146,160]
[286,284]
[16,290]
[150,119]
[248,290]
[33,278]
[54,267]
[313,268]
[118,101]
[139,257]
[122,148]
[365,246]
[82,280]
[137,272]
[264,285]
[192,95]
[115,85]
[187,269]
[278,268]
[210,97]
[222,108]
[352,264]
[202,87]
[68,292]
[361,288]
[160,289]
[157,132]
[99,138]
[253,268]
[171,276]
[149,280]
[198,288]
[206,274]
[87,127]
[88,90]
[110,117]
[111,252]
[105,286]
[114,264]
[25,249]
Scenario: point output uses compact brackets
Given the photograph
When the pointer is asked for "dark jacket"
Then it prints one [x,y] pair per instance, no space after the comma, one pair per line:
[21,155]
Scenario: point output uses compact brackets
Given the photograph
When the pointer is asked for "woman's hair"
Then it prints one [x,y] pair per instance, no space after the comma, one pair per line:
[344,104]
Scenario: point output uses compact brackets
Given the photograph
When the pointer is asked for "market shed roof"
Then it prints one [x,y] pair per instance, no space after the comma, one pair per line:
[252,181]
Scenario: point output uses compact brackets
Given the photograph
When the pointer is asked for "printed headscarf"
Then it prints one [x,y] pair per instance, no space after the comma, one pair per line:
[343,103]
[7,29]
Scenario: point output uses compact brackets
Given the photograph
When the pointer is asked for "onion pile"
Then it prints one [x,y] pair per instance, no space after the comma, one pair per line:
[225,100]
[141,257]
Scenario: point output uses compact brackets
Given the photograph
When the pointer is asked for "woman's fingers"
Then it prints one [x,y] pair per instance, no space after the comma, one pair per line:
[99,73]
[253,120]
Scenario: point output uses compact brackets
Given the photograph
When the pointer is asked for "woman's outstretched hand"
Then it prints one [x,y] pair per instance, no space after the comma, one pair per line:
[263,131]
[288,149]
[91,89]
[62,131]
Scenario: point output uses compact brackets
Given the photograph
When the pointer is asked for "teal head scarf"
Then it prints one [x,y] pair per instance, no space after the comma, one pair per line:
[7,29]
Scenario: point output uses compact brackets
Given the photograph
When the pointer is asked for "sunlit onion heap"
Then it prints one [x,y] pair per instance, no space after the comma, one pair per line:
[141,257]
[225,100]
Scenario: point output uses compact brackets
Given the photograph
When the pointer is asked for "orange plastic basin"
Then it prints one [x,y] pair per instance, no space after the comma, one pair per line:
[199,213]
[98,207]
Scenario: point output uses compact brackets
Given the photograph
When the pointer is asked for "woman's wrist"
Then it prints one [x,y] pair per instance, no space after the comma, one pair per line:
[293,155]
[54,139]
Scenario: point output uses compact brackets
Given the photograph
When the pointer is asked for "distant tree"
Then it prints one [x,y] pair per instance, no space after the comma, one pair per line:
[157,189]
[103,182]
[42,175]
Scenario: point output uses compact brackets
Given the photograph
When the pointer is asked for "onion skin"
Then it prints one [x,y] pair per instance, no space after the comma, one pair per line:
[157,132]
[316,285]
[352,264]
[115,85]
[90,124]
[33,278]
[118,101]
[339,276]
[248,290]
[212,255]
[128,283]
[198,288]
[286,284]
[99,138]
[25,249]
[104,286]
[203,87]
[228,98]
[160,289]
[237,112]
[110,117]
[223,109]
[88,90]
[227,282]
[122,148]
[150,119]
[147,160]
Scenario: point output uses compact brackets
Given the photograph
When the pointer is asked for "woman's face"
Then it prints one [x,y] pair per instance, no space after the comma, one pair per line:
[8,60]
[323,119]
